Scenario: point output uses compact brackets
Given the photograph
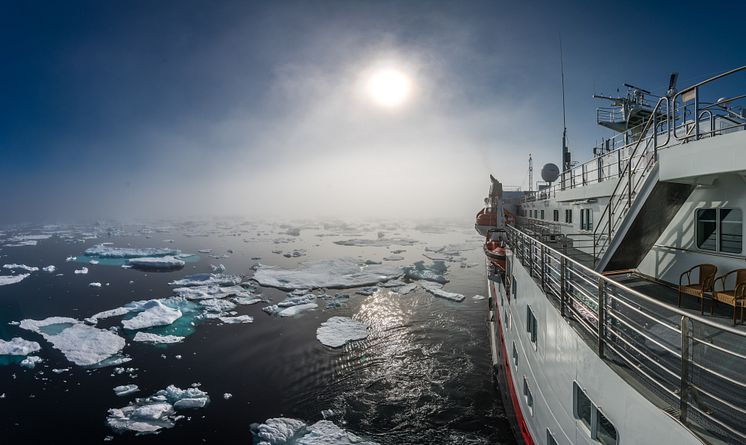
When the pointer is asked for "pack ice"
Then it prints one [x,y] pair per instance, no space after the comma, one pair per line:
[285,431]
[433,272]
[81,344]
[338,331]
[150,414]
[339,273]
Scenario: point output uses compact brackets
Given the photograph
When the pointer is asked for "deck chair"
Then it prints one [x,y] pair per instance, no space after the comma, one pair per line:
[707,274]
[735,297]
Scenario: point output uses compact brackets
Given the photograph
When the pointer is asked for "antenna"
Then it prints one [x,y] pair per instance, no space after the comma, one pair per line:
[530,173]
[565,151]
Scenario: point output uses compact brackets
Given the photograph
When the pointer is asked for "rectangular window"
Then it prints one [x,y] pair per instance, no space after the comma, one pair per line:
[586,219]
[515,356]
[542,214]
[555,216]
[550,438]
[568,216]
[527,394]
[531,325]
[720,230]
[583,406]
[582,219]
[599,426]
[605,431]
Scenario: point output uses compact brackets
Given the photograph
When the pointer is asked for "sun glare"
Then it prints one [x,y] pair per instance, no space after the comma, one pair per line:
[389,88]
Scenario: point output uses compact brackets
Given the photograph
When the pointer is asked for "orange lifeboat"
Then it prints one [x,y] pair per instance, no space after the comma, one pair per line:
[494,248]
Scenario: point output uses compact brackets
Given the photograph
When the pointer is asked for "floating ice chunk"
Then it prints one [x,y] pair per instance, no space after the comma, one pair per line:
[125,390]
[18,346]
[156,339]
[81,344]
[380,242]
[108,251]
[217,305]
[367,291]
[338,331]
[245,300]
[60,370]
[393,258]
[49,268]
[20,266]
[12,279]
[81,271]
[217,269]
[297,299]
[295,310]
[237,320]
[164,262]
[393,283]
[211,291]
[227,396]
[478,297]
[438,292]
[404,290]
[151,414]
[94,262]
[70,258]
[95,284]
[208,279]
[31,361]
[284,431]
[155,314]
[433,272]
[205,251]
[337,273]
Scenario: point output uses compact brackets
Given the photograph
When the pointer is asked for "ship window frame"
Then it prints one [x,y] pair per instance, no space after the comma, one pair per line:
[586,219]
[555,215]
[550,438]
[721,215]
[528,396]
[541,214]
[568,216]
[532,325]
[515,356]
[595,417]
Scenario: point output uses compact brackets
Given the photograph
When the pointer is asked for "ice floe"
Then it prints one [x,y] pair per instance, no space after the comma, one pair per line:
[237,319]
[81,271]
[212,291]
[125,390]
[81,344]
[18,346]
[12,279]
[156,339]
[285,431]
[50,268]
[380,242]
[337,273]
[164,262]
[154,313]
[151,414]
[433,272]
[478,297]
[436,290]
[338,331]
[95,284]
[31,361]
[108,251]
[208,279]
[20,266]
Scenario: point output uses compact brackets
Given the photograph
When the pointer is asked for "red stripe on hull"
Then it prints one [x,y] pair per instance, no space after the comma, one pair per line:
[520,420]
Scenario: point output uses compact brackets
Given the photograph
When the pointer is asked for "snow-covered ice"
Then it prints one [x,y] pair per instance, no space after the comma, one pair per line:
[31,361]
[18,346]
[81,271]
[125,390]
[380,242]
[434,272]
[208,279]
[21,266]
[156,339]
[211,291]
[12,279]
[95,284]
[478,297]
[227,396]
[337,273]
[81,344]
[108,251]
[285,431]
[155,313]
[50,268]
[238,319]
[164,262]
[338,331]
[151,414]
[438,292]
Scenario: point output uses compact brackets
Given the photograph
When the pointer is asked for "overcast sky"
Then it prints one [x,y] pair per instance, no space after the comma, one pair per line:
[201,108]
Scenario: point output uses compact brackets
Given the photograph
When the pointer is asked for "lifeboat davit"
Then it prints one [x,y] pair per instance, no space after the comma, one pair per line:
[494,249]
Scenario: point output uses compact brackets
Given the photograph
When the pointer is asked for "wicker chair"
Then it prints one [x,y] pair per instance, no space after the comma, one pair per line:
[735,297]
[706,280]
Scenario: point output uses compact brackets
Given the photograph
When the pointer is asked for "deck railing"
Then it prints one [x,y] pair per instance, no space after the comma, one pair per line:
[693,365]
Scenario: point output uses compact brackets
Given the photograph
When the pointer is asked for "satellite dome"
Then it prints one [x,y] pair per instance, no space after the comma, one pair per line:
[550,172]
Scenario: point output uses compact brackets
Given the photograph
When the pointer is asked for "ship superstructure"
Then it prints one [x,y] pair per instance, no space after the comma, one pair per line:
[617,317]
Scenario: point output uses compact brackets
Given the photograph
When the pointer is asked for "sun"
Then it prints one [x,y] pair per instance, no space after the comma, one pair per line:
[389,87]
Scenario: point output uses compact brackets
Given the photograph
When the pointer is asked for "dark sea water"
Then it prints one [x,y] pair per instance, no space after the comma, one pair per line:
[423,376]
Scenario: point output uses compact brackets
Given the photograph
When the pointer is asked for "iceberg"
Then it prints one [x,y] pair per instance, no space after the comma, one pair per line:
[156,339]
[436,290]
[154,313]
[108,251]
[31,361]
[18,346]
[161,263]
[125,390]
[285,431]
[208,279]
[151,414]
[20,266]
[81,344]
[433,272]
[340,273]
[12,279]
[338,331]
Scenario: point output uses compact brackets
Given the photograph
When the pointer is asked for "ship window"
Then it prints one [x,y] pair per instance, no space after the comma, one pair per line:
[542,214]
[550,438]
[599,426]
[731,228]
[515,356]
[707,229]
[605,431]
[531,325]
[586,219]
[527,394]
[583,406]
[568,216]
[556,215]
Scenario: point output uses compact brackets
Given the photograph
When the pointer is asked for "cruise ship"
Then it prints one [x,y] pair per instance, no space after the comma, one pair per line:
[617,287]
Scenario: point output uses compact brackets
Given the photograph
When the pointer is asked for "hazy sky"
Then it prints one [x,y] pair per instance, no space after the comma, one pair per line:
[157,108]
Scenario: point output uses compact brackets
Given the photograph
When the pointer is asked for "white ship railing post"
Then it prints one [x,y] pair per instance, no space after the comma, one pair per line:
[601,315]
[563,265]
[684,388]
